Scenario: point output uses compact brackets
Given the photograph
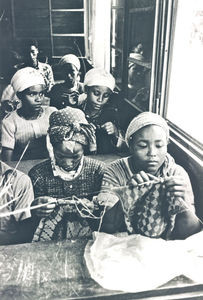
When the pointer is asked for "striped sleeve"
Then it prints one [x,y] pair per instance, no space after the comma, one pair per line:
[114,176]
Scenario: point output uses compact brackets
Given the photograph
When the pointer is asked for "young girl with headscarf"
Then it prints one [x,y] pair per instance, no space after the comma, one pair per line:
[148,193]
[27,126]
[67,93]
[67,174]
[101,111]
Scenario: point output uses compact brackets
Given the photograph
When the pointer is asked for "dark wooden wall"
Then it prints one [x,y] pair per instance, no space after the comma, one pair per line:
[32,21]
[49,22]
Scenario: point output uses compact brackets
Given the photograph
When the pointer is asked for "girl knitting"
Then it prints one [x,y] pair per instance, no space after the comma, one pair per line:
[101,111]
[66,178]
[148,193]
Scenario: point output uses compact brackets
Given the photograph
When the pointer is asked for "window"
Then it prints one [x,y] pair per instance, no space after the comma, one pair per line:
[185,89]
[117,39]
[67,27]
[156,57]
[132,34]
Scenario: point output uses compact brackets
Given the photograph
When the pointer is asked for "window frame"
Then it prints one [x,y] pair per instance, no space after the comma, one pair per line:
[184,140]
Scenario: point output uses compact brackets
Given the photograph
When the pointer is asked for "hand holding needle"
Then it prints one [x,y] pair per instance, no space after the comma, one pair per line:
[143,178]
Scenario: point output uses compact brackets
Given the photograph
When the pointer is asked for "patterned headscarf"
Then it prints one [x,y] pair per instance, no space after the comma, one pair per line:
[144,119]
[70,124]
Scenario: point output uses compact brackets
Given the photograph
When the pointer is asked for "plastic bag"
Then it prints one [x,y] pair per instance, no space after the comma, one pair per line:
[136,263]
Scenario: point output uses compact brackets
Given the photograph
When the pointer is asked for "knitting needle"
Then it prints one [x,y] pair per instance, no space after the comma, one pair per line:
[21,210]
[158,180]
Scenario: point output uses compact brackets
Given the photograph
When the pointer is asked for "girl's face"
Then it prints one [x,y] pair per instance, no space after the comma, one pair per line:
[148,148]
[33,52]
[70,75]
[32,97]
[66,159]
[97,96]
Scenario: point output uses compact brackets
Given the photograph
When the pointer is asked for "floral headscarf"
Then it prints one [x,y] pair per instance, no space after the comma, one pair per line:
[70,124]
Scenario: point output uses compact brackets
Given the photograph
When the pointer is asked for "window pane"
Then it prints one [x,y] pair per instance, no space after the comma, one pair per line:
[65,45]
[116,65]
[185,105]
[64,4]
[67,22]
[142,14]
[117,26]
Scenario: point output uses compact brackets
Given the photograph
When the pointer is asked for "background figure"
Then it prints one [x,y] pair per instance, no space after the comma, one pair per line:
[154,196]
[137,68]
[30,122]
[14,185]
[67,175]
[135,72]
[9,99]
[67,93]
[101,111]
[31,56]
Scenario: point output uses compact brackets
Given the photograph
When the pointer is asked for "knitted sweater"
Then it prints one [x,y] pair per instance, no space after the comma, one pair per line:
[86,184]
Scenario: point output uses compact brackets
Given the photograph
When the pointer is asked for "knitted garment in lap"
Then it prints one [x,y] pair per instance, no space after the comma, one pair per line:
[149,211]
[60,225]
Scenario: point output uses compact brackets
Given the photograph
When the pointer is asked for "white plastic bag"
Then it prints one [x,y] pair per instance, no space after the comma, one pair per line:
[136,263]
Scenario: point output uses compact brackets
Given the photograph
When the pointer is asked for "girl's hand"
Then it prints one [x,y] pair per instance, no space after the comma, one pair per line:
[175,186]
[46,210]
[110,128]
[141,178]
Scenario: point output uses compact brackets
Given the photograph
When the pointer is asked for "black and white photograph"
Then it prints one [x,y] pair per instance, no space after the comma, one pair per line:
[101,149]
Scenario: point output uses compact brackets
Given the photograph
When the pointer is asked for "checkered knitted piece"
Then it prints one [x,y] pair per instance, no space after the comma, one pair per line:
[149,211]
[60,225]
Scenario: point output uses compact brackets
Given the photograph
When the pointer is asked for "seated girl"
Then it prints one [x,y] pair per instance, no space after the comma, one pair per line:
[16,193]
[28,124]
[101,111]
[67,182]
[148,193]
[67,93]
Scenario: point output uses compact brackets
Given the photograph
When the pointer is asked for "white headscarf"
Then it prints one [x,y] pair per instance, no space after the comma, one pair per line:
[25,78]
[144,119]
[98,76]
[70,59]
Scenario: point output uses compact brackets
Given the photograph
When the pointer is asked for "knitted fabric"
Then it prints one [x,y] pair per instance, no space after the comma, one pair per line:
[60,225]
[148,211]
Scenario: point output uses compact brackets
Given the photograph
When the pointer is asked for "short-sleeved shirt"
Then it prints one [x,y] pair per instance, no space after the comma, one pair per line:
[17,132]
[21,190]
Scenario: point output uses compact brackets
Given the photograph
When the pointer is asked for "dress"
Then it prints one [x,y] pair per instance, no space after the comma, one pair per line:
[61,97]
[21,190]
[109,113]
[146,210]
[17,131]
[86,184]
